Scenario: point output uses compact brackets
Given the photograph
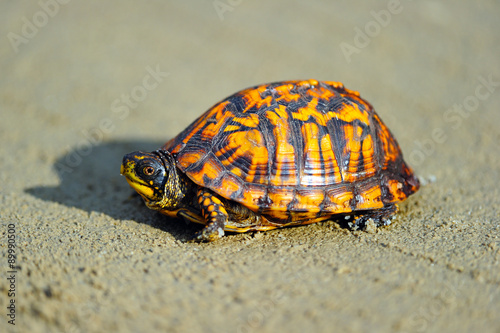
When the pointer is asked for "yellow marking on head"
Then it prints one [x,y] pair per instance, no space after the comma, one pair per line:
[144,190]
[128,169]
[140,157]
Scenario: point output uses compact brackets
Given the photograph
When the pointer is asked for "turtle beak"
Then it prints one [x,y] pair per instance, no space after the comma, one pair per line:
[127,168]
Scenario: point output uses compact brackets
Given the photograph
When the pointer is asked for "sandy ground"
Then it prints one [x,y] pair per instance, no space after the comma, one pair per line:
[84,82]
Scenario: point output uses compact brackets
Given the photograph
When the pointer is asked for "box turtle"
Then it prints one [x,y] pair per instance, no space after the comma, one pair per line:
[275,155]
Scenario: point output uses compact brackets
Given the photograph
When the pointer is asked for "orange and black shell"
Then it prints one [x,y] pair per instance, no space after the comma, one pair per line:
[295,149]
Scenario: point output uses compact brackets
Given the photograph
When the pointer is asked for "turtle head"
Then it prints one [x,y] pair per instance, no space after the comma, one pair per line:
[154,176]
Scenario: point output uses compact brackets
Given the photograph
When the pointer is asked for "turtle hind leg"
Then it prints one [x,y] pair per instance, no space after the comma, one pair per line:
[215,215]
[380,217]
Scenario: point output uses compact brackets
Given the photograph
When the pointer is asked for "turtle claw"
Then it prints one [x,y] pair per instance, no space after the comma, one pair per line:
[207,235]
[214,213]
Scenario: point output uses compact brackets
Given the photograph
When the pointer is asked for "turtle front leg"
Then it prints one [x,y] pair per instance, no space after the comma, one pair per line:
[215,215]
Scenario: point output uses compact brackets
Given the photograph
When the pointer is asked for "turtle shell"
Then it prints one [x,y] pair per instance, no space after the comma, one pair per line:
[295,148]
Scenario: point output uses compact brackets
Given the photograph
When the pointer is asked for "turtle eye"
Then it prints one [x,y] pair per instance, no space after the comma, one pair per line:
[148,170]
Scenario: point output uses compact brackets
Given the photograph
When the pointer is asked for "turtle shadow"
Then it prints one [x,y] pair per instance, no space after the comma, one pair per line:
[90,180]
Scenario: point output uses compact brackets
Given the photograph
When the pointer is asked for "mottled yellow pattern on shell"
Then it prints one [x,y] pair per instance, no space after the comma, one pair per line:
[295,150]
